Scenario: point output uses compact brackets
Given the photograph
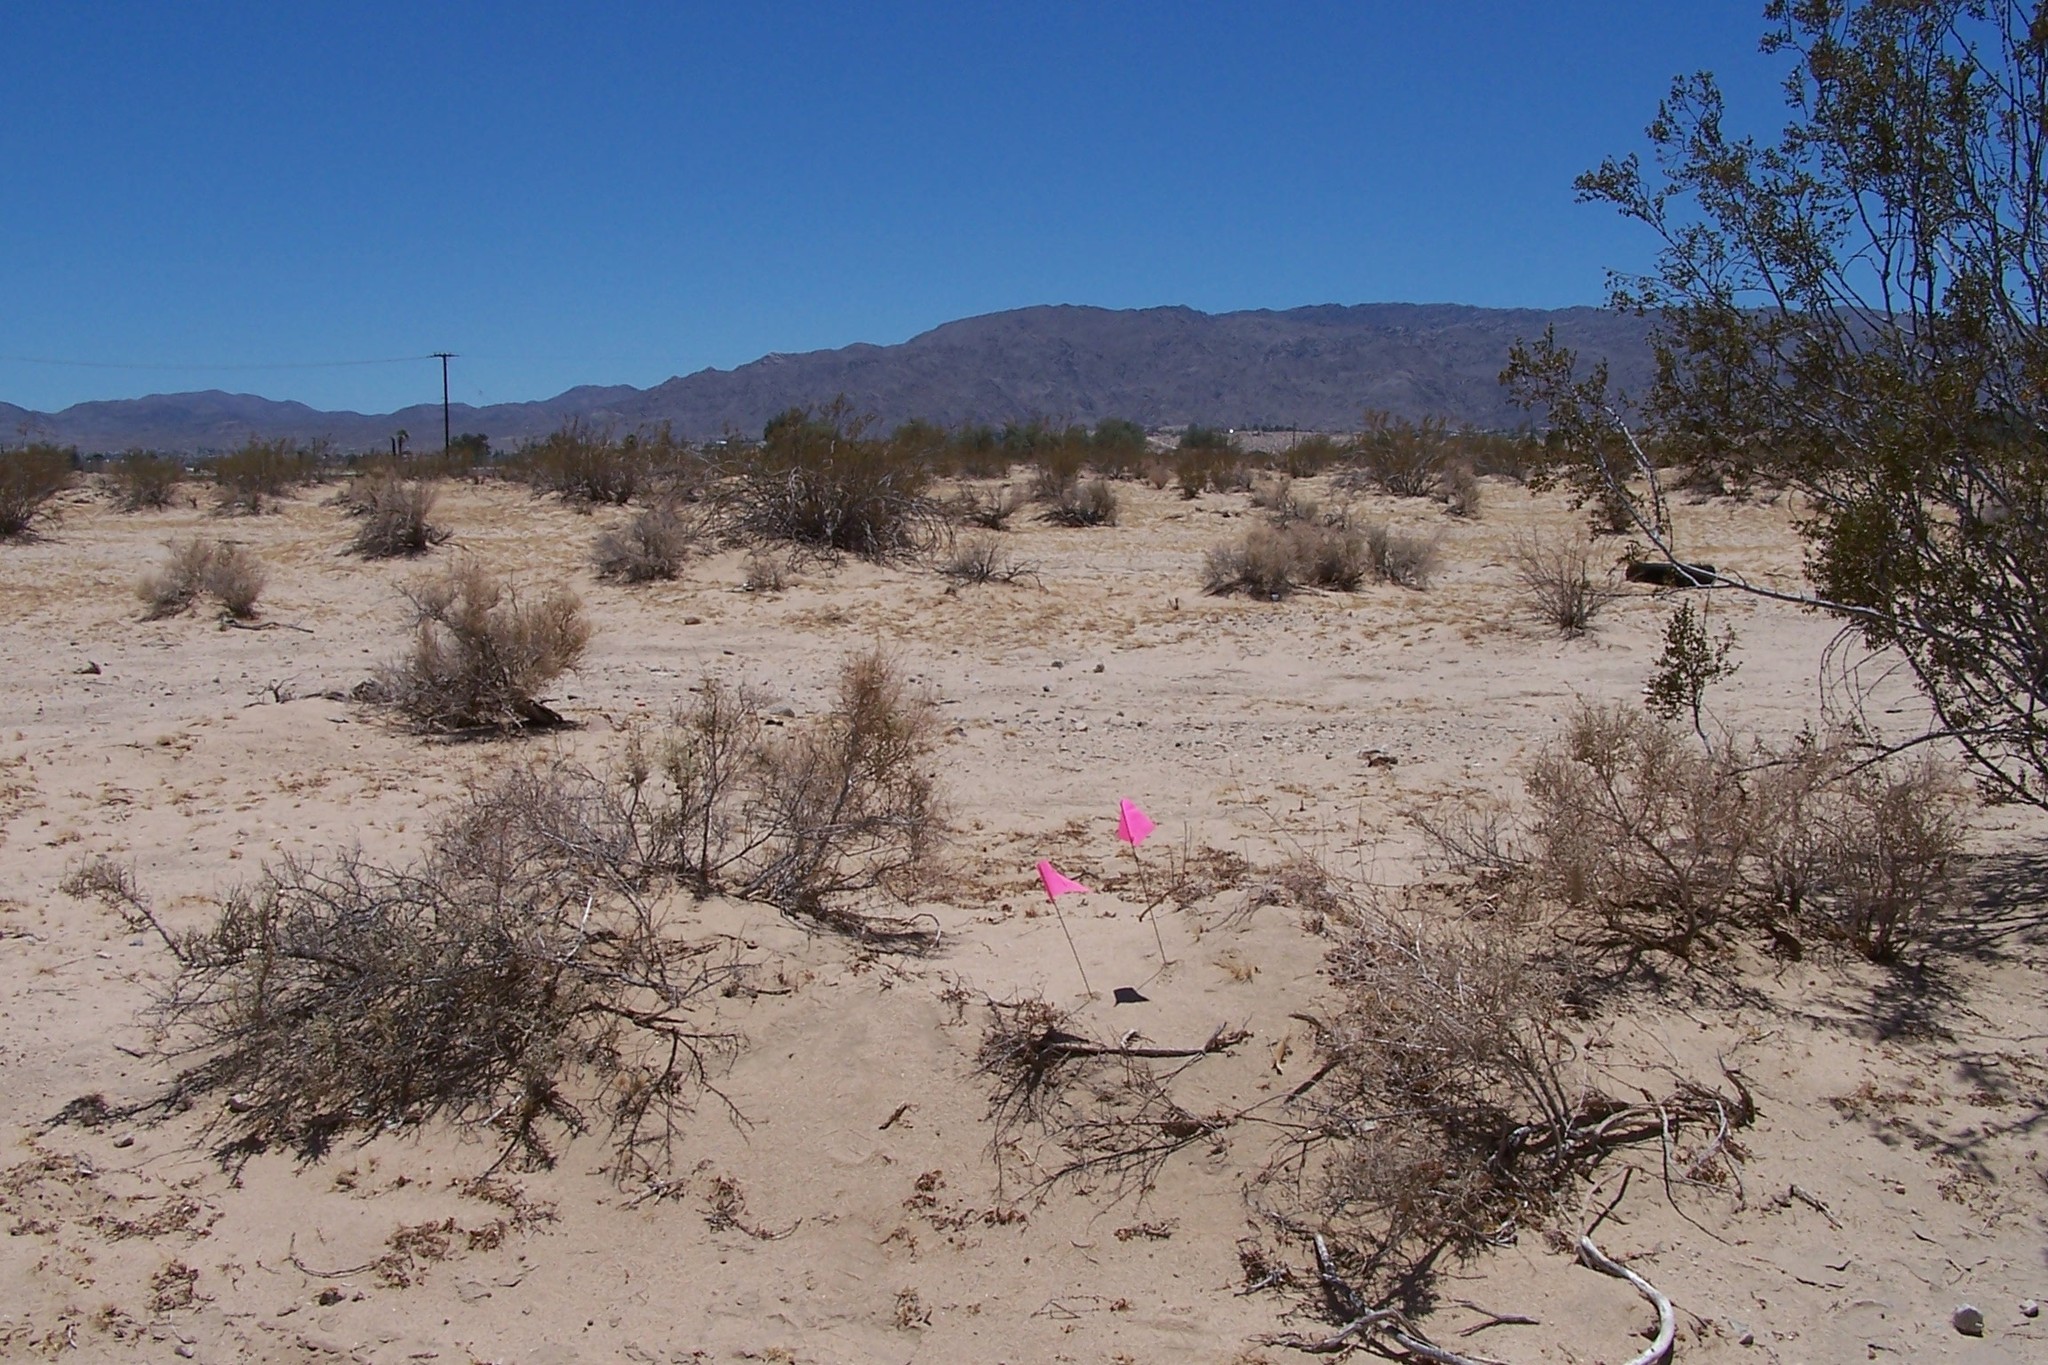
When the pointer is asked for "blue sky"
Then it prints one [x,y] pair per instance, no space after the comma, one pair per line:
[617,193]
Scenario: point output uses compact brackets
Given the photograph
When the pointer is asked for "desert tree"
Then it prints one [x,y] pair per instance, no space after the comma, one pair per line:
[1860,307]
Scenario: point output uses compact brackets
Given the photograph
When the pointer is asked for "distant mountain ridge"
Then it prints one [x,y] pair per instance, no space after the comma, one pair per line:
[1314,368]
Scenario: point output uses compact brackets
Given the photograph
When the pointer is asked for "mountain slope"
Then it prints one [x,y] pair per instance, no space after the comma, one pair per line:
[1317,367]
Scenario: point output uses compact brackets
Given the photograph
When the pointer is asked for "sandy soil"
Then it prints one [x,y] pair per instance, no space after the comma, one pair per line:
[1912,1106]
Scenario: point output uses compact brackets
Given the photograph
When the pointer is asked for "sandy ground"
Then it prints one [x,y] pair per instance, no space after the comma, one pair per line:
[1912,1106]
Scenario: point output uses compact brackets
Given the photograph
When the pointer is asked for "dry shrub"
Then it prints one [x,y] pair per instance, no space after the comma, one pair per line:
[1458,490]
[1452,1096]
[512,988]
[1279,497]
[261,472]
[481,655]
[991,511]
[653,545]
[219,568]
[30,477]
[145,482]
[1666,842]
[1091,503]
[1556,583]
[395,517]
[1273,562]
[817,820]
[765,571]
[983,559]
[1401,557]
[1261,565]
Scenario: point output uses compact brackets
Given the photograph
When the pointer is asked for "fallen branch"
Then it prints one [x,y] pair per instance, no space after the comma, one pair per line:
[1667,1321]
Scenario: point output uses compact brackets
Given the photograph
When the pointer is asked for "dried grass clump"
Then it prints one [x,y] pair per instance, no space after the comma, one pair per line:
[1556,581]
[983,559]
[765,571]
[653,545]
[395,517]
[1093,502]
[481,655]
[218,568]
[1668,843]
[29,478]
[526,991]
[145,482]
[1401,557]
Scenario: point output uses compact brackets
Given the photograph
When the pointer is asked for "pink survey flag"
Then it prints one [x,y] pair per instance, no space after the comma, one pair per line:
[1133,826]
[1058,883]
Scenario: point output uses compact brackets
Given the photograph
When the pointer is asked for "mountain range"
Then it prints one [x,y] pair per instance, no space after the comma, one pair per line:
[1315,368]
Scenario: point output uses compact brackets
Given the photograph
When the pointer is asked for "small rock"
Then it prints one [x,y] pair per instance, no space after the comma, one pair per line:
[786,712]
[1739,1330]
[125,1140]
[1098,668]
[1968,1321]
[693,620]
[185,1351]
[2029,1308]
[1059,663]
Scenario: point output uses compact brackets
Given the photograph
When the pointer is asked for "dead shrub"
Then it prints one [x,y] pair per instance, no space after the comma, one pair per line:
[991,511]
[1401,557]
[983,559]
[261,472]
[1330,556]
[29,478]
[1556,581]
[1279,497]
[394,517]
[481,655]
[1458,489]
[345,996]
[192,567]
[765,571]
[653,545]
[145,482]
[1094,502]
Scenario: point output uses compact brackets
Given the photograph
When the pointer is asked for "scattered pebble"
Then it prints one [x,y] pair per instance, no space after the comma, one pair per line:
[2029,1308]
[1739,1330]
[1967,1320]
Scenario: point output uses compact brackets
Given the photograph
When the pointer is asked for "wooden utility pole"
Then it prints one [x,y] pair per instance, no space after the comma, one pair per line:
[445,357]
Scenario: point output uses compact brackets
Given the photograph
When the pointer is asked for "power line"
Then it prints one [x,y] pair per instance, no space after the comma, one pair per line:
[280,365]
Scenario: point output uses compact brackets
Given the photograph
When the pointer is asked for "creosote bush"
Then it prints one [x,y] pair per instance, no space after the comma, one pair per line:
[394,517]
[261,472]
[991,511]
[982,559]
[581,463]
[30,477]
[653,545]
[1556,583]
[218,568]
[142,481]
[819,483]
[1668,843]
[481,654]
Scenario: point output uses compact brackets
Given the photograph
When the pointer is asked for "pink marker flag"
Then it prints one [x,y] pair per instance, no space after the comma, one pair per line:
[1133,826]
[1058,883]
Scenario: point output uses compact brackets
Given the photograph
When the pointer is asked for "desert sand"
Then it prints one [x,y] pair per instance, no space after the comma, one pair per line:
[853,1203]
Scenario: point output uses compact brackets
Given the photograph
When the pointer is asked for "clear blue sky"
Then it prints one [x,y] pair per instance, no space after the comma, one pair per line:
[617,193]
